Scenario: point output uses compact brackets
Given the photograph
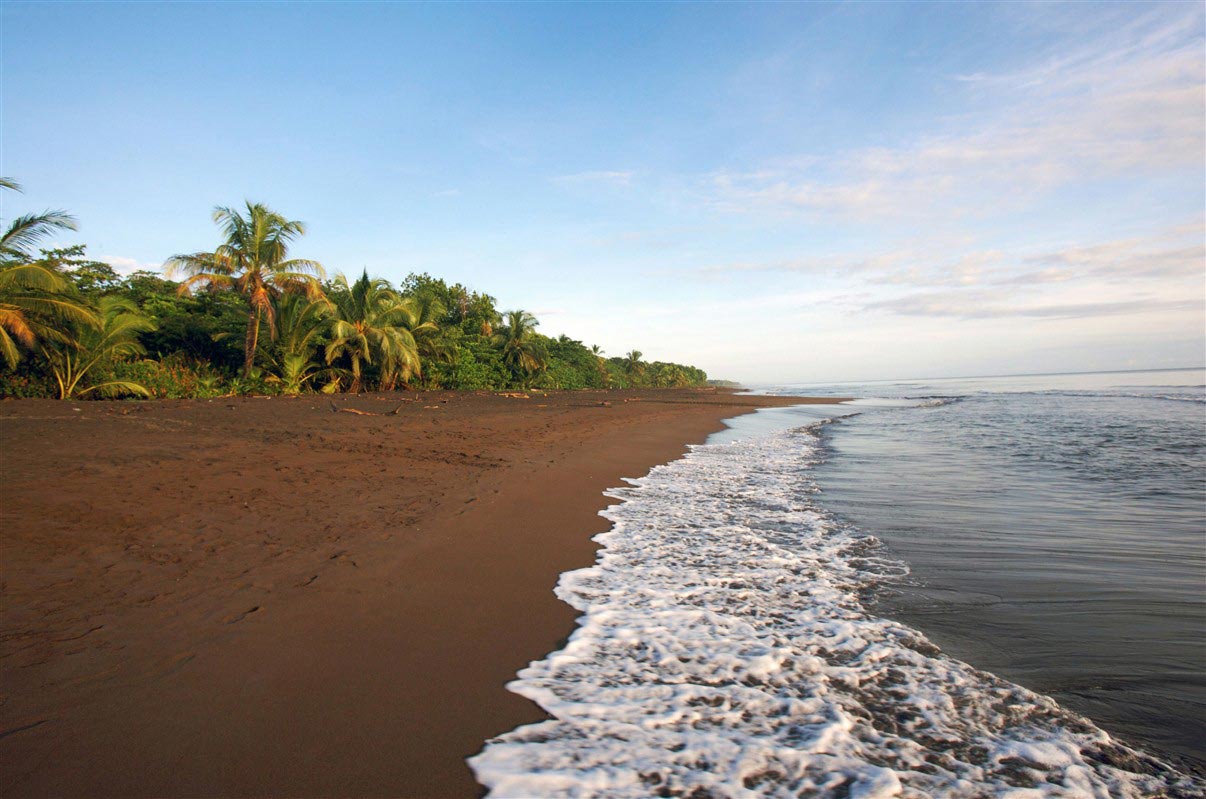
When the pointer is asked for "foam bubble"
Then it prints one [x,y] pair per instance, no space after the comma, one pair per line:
[723,651]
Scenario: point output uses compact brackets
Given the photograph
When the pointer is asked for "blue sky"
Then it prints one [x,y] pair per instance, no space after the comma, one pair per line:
[774,192]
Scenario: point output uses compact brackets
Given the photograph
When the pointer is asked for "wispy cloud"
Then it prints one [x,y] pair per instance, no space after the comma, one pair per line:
[1162,272]
[1166,255]
[814,265]
[986,305]
[1115,261]
[609,178]
[1177,252]
[1135,100]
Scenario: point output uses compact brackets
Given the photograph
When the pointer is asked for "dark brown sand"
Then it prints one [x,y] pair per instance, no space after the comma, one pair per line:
[266,597]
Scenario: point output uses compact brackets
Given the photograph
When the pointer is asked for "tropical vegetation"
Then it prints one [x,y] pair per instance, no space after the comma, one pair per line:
[252,260]
[252,318]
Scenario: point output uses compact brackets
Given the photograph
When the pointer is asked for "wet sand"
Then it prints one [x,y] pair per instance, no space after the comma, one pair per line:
[276,597]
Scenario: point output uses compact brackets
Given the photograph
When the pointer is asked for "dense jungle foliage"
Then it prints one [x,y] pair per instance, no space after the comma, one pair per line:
[247,318]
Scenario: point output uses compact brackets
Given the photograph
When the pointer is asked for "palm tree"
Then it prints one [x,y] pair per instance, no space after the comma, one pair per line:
[670,375]
[35,303]
[35,307]
[299,321]
[253,260]
[115,337]
[432,339]
[601,366]
[634,367]
[373,321]
[26,231]
[521,350]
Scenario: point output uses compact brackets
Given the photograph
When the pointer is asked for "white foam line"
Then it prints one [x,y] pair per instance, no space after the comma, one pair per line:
[723,652]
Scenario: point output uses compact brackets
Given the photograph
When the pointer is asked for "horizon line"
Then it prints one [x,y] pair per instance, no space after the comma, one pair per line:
[982,377]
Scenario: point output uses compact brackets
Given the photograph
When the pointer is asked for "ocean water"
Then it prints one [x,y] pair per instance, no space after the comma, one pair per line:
[973,588]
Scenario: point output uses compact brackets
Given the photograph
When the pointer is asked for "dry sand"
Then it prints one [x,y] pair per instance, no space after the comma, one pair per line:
[267,597]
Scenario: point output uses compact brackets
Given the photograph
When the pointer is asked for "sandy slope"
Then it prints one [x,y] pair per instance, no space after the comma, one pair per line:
[267,597]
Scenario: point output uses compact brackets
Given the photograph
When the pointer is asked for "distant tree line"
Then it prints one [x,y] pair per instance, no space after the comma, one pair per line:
[247,318]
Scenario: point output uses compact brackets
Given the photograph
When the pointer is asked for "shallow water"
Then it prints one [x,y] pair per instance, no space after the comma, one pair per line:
[734,640]
[1055,529]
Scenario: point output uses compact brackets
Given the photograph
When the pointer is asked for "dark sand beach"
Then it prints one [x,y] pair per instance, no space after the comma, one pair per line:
[276,597]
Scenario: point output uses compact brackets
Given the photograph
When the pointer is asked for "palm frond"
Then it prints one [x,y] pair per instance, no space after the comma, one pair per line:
[8,349]
[301,266]
[55,306]
[31,276]
[27,230]
[14,321]
[116,388]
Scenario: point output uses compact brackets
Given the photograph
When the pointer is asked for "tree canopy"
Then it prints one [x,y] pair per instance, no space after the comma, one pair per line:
[250,317]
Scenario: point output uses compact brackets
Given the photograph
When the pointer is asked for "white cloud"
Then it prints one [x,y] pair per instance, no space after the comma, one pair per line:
[1160,271]
[1177,252]
[1131,259]
[991,305]
[846,264]
[1135,100]
[128,266]
[608,178]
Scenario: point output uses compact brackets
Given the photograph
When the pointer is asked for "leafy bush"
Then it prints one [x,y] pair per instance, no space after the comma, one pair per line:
[559,374]
[477,368]
[26,383]
[172,378]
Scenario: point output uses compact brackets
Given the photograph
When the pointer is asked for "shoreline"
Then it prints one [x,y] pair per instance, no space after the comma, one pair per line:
[261,597]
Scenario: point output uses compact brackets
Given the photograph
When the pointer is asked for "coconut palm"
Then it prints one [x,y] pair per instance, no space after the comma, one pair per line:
[299,322]
[295,371]
[26,231]
[35,300]
[488,324]
[432,339]
[601,366]
[373,323]
[521,350]
[670,375]
[114,338]
[253,260]
[35,307]
[634,367]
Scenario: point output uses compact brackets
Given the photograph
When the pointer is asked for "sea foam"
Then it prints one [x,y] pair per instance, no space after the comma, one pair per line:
[725,651]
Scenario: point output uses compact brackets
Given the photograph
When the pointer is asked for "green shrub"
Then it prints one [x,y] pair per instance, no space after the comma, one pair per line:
[26,383]
[172,378]
[477,368]
[561,375]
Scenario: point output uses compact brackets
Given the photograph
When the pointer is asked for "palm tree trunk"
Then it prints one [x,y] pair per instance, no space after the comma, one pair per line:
[251,341]
[355,389]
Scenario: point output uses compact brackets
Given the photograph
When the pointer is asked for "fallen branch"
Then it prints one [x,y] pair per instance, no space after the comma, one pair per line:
[336,409]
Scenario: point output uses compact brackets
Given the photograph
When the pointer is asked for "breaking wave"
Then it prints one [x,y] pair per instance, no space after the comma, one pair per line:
[725,651]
